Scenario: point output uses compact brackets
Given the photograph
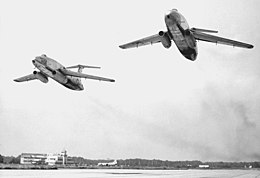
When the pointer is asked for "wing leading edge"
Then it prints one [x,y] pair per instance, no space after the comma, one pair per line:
[142,42]
[215,39]
[81,75]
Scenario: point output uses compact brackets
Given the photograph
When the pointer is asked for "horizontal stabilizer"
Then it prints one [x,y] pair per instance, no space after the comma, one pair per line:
[203,30]
[82,66]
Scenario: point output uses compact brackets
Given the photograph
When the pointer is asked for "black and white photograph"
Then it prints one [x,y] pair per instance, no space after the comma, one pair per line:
[115,88]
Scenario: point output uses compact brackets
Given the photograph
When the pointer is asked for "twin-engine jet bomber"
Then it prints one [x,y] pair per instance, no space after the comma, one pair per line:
[184,37]
[50,68]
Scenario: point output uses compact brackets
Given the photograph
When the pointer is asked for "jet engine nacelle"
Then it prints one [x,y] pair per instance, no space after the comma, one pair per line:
[165,39]
[41,77]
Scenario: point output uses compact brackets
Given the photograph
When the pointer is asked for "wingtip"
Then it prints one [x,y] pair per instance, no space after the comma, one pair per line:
[16,80]
[251,46]
[122,47]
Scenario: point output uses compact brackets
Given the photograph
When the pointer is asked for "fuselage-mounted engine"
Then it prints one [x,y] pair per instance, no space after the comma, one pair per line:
[41,77]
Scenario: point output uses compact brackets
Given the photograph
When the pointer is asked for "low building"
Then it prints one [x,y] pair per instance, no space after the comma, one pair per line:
[49,159]
[54,159]
[33,158]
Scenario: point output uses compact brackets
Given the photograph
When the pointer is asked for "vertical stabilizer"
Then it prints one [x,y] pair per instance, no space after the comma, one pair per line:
[80,69]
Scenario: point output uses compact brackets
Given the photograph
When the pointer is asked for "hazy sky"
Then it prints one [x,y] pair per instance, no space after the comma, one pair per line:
[161,106]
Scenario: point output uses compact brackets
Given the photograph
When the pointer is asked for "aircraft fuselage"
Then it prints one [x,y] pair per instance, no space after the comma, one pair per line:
[178,29]
[50,68]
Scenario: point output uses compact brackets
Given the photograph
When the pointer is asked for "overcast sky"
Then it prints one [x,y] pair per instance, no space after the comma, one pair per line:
[162,106]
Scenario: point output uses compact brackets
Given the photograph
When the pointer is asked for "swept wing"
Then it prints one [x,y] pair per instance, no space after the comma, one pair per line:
[81,75]
[26,78]
[215,39]
[142,42]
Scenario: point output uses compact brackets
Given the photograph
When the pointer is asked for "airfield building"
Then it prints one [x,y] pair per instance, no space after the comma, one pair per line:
[33,158]
[48,159]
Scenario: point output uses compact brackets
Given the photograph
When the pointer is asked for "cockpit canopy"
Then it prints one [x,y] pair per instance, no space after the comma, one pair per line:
[183,22]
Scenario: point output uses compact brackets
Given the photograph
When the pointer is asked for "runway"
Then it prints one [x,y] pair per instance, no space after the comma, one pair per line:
[111,173]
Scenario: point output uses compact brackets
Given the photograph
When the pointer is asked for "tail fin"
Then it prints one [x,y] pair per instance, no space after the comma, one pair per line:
[80,67]
[203,30]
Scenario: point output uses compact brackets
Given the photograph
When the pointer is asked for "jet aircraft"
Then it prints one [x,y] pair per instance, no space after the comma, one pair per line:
[184,37]
[50,68]
[114,163]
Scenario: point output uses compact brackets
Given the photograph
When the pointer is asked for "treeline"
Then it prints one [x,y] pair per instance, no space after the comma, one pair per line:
[233,165]
[145,163]
[155,163]
[138,162]
[10,159]
[142,163]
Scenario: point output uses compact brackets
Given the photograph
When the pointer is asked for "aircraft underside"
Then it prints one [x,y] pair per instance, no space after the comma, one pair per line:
[186,45]
[73,86]
[68,82]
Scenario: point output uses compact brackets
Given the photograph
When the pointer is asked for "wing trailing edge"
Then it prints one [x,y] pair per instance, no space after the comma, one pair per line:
[142,42]
[203,30]
[86,76]
[219,40]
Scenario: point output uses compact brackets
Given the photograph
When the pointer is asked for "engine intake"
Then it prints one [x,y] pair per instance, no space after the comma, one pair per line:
[165,39]
[187,32]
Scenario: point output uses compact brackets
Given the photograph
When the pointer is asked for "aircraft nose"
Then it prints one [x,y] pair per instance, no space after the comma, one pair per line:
[168,14]
[35,60]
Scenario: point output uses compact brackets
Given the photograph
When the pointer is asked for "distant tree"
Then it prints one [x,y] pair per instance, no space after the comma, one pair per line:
[1,159]
[7,159]
[15,160]
[256,164]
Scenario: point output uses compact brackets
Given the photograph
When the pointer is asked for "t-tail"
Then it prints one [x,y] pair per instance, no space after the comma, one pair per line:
[81,67]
